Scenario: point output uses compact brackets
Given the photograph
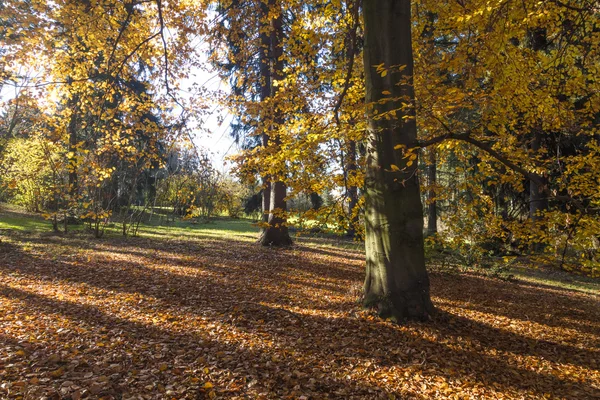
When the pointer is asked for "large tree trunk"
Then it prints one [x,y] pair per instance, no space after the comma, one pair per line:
[276,232]
[266,201]
[432,227]
[396,279]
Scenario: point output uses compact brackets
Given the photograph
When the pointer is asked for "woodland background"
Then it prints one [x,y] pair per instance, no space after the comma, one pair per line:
[462,136]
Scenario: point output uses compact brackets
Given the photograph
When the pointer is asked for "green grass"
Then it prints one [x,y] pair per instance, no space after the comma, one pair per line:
[16,219]
[557,278]
[12,217]
[242,229]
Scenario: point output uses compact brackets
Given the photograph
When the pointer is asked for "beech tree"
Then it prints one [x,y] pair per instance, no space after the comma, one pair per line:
[396,278]
[506,96]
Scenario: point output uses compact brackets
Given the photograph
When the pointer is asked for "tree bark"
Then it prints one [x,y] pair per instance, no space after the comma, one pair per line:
[266,201]
[265,93]
[72,132]
[538,199]
[276,232]
[432,227]
[396,280]
[352,189]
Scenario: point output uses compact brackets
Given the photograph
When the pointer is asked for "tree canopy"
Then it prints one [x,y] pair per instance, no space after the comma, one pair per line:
[503,97]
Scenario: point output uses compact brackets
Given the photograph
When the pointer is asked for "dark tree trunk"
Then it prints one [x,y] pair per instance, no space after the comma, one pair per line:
[538,198]
[265,93]
[72,132]
[352,188]
[396,278]
[432,227]
[276,233]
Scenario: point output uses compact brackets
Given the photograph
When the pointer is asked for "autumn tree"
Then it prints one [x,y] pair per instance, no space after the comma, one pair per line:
[508,92]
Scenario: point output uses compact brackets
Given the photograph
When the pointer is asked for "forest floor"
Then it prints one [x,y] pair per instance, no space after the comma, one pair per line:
[203,312]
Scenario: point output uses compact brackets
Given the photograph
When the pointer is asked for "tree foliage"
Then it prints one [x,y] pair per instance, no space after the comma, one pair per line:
[506,98]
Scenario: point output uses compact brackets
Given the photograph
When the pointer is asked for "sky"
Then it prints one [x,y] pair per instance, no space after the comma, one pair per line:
[214,137]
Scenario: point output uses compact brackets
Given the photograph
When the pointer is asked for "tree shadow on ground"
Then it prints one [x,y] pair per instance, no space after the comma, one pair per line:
[292,300]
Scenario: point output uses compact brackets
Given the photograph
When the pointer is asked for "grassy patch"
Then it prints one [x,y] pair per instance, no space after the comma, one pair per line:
[12,217]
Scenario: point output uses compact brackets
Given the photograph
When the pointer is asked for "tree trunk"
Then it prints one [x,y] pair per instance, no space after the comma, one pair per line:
[538,199]
[432,203]
[265,93]
[352,189]
[276,233]
[396,279]
[72,132]
[266,201]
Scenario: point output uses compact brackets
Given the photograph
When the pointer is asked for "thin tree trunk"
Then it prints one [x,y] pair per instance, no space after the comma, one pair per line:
[538,200]
[72,132]
[352,188]
[396,278]
[265,93]
[432,227]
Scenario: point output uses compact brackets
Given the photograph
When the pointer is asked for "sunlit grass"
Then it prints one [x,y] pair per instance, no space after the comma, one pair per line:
[22,223]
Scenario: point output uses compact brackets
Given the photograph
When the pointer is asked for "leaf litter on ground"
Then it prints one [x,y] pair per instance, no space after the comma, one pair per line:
[209,316]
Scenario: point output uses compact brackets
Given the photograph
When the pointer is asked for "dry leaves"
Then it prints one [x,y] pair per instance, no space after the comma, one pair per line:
[207,317]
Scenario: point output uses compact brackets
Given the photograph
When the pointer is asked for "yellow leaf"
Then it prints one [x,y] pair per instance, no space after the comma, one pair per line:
[208,385]
[57,373]
[394,167]
[386,92]
[384,73]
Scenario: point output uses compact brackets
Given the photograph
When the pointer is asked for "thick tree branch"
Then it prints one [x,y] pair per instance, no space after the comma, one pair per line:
[487,147]
[570,7]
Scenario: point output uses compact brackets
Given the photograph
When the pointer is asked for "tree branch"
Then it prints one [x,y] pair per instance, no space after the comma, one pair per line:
[161,21]
[350,65]
[487,148]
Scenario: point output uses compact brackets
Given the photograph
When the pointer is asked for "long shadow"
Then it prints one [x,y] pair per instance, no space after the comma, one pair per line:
[451,363]
[482,294]
[226,289]
[347,254]
[184,348]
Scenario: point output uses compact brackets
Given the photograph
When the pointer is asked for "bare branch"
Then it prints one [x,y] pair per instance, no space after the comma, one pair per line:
[351,56]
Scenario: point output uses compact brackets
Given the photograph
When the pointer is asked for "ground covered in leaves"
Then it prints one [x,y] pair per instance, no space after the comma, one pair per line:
[193,314]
